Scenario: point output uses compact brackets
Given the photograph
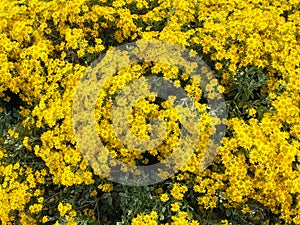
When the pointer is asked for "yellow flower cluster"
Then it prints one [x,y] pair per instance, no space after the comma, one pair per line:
[271,155]
[149,219]
[182,218]
[16,193]
[46,47]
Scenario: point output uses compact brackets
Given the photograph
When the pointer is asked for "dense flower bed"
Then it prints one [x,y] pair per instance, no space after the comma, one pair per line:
[253,46]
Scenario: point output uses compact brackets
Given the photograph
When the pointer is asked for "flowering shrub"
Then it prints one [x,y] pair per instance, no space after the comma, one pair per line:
[253,48]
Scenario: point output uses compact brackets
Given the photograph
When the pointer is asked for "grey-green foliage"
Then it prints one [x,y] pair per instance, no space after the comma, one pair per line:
[248,82]
[8,119]
[246,92]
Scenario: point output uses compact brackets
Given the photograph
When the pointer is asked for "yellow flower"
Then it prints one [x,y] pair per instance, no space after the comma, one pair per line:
[13,134]
[164,197]
[194,222]
[175,207]
[36,208]
[159,190]
[26,144]
[245,209]
[183,188]
[93,193]
[224,222]
[252,112]
[41,200]
[63,209]
[218,66]
[72,213]
[44,219]
[177,83]
[153,215]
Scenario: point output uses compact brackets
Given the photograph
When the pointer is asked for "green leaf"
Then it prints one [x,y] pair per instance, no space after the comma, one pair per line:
[228,212]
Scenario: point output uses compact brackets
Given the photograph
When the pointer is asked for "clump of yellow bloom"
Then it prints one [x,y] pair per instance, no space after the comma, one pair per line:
[46,48]
[147,219]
